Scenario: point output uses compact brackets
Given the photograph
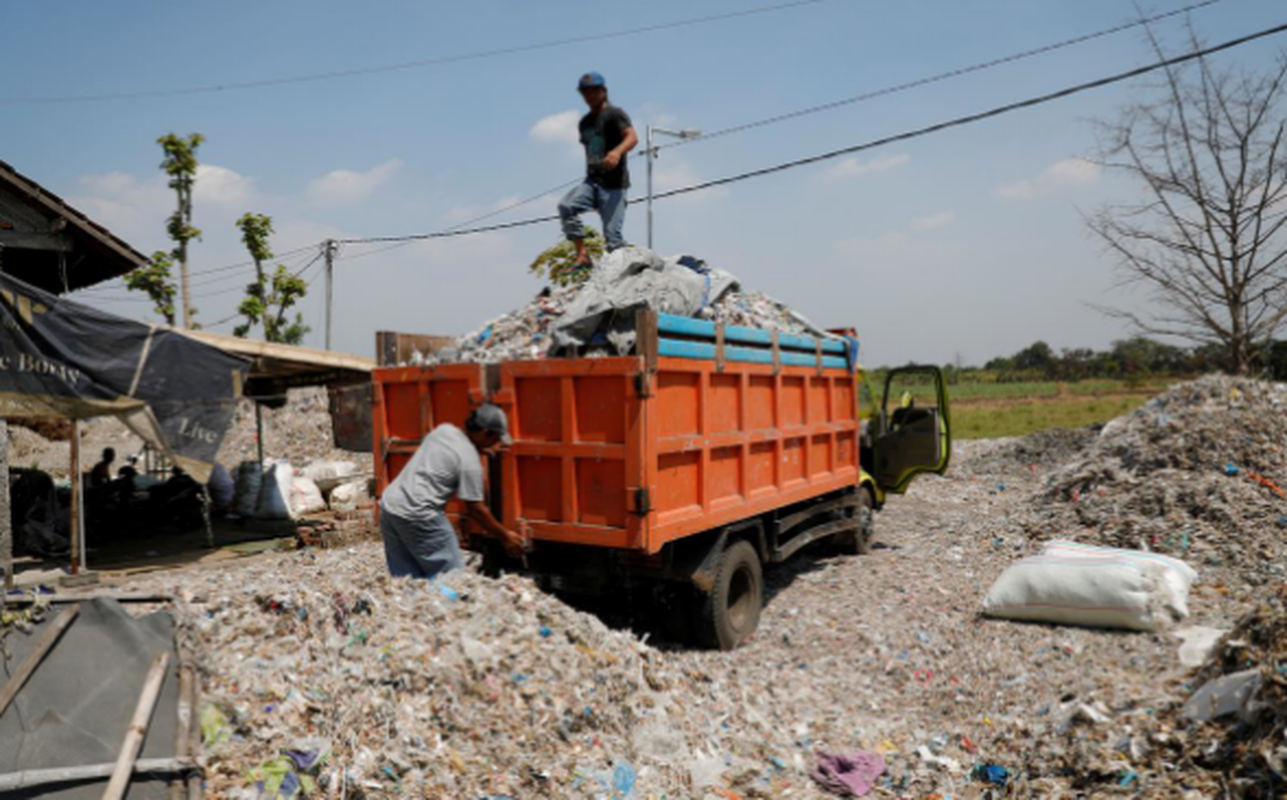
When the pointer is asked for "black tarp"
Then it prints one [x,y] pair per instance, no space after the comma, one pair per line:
[60,358]
[77,706]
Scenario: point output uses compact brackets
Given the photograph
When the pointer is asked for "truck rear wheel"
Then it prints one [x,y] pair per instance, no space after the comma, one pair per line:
[730,612]
[858,542]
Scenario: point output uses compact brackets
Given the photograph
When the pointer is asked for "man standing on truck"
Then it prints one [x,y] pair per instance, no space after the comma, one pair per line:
[419,540]
[608,136]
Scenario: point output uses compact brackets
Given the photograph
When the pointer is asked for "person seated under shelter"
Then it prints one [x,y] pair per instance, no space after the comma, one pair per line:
[101,475]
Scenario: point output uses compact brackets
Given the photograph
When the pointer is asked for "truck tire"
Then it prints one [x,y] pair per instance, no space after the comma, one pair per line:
[858,542]
[729,613]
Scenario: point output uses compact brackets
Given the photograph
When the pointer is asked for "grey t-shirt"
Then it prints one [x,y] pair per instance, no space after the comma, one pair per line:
[446,463]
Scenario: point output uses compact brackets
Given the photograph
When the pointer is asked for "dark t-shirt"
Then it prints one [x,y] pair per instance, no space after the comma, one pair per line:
[602,133]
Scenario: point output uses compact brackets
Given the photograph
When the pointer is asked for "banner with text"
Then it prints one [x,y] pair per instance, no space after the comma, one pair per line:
[60,358]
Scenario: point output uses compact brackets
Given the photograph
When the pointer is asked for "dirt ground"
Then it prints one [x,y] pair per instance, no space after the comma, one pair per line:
[885,652]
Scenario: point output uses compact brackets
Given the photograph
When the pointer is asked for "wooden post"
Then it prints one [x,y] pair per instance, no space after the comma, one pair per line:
[73,516]
[138,728]
[259,433]
[6,511]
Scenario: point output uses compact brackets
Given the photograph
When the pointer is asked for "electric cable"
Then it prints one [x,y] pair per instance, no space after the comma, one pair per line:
[899,137]
[408,65]
[932,79]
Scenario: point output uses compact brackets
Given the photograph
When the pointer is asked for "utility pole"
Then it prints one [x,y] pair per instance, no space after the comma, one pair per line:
[330,286]
[687,133]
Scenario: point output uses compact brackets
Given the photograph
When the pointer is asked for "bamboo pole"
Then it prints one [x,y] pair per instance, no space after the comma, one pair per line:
[47,639]
[120,780]
[74,512]
[6,510]
[13,781]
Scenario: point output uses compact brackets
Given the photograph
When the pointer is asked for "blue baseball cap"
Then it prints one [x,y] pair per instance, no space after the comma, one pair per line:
[591,80]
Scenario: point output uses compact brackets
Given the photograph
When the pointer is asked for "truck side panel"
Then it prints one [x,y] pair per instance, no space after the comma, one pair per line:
[408,402]
[575,472]
[609,453]
[738,440]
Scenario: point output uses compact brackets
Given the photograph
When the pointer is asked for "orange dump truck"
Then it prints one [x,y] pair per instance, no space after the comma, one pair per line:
[683,470]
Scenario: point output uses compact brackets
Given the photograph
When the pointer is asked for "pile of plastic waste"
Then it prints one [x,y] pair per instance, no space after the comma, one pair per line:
[461,688]
[1223,735]
[1199,471]
[596,317]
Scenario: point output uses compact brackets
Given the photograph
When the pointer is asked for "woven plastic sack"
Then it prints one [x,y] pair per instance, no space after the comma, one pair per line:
[246,489]
[275,492]
[1089,591]
[1179,576]
[305,497]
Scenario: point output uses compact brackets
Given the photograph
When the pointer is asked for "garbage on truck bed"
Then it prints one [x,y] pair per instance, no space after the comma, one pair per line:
[596,318]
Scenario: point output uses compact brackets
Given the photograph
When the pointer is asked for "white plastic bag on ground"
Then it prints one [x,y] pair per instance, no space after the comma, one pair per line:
[1083,590]
[246,491]
[1179,575]
[330,474]
[274,493]
[347,496]
[305,497]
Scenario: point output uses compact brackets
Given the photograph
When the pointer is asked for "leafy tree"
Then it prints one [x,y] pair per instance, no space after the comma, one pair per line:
[1036,356]
[557,262]
[155,280]
[180,163]
[269,298]
[1208,235]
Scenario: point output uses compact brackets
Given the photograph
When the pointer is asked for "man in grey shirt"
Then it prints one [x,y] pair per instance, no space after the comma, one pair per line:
[419,540]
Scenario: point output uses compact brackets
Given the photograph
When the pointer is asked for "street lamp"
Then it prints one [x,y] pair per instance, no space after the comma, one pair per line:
[687,133]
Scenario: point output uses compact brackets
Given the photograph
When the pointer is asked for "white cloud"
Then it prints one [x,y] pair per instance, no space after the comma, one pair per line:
[1069,173]
[560,127]
[347,186]
[854,168]
[221,186]
[939,220]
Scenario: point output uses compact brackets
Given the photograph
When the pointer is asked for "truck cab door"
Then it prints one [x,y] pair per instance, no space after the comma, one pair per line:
[914,433]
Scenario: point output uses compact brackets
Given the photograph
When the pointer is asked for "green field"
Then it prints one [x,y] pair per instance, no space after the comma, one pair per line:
[990,410]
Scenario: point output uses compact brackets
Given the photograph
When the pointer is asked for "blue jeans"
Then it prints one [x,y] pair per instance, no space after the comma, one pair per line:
[587,196]
[421,548]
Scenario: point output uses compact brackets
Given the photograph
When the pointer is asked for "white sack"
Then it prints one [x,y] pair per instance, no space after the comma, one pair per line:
[329,474]
[1178,575]
[274,493]
[1094,592]
[346,496]
[305,497]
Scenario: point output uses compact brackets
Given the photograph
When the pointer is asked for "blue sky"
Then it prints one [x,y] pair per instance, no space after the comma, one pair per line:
[967,243]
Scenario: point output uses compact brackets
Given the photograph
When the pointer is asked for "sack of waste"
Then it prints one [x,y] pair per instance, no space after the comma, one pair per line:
[305,497]
[329,474]
[275,492]
[1096,587]
[246,488]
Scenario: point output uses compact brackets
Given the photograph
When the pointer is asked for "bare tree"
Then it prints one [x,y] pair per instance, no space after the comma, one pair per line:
[1207,239]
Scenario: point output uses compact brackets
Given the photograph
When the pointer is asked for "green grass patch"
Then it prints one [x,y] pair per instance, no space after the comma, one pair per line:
[990,422]
[999,391]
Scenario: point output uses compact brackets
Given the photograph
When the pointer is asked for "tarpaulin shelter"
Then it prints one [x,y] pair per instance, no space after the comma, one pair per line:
[61,358]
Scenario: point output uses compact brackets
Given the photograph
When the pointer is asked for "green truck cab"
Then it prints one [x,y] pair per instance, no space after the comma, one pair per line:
[908,433]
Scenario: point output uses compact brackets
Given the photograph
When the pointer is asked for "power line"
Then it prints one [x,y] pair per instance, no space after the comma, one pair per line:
[300,254]
[408,65]
[899,137]
[942,76]
[460,225]
[977,117]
